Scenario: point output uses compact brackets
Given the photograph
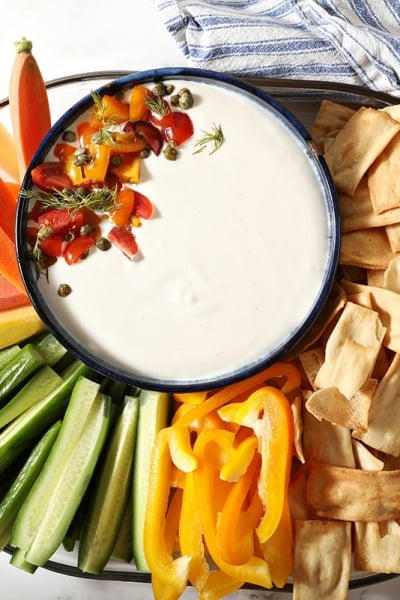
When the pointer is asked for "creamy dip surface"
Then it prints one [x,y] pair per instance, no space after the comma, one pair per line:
[229,265]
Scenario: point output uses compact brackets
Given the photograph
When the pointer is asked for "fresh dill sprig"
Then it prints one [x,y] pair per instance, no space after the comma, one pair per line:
[104,136]
[100,199]
[157,105]
[215,137]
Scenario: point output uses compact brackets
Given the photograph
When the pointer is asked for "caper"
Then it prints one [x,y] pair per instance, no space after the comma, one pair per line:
[69,136]
[144,153]
[116,160]
[160,89]
[64,290]
[170,88]
[103,244]
[170,151]
[86,229]
[175,100]
[186,100]
[81,157]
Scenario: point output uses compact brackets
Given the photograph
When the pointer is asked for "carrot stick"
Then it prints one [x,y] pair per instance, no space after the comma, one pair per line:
[8,207]
[10,296]
[8,261]
[29,105]
[8,154]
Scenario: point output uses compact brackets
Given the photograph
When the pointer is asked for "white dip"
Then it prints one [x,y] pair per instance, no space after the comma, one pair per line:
[231,262]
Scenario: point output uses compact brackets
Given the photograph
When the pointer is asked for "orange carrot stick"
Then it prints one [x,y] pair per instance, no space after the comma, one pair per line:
[8,154]
[8,261]
[8,207]
[10,296]
[29,105]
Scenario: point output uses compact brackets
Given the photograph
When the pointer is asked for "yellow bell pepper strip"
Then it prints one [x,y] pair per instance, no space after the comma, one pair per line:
[256,569]
[181,450]
[289,373]
[172,520]
[278,550]
[239,460]
[219,585]
[73,170]
[194,398]
[236,543]
[169,573]
[267,411]
[96,169]
[191,535]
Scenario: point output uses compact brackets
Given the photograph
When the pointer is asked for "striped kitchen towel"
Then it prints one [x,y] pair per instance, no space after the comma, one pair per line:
[349,41]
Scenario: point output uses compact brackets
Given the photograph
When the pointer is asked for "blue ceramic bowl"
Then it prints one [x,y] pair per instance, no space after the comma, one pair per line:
[63,315]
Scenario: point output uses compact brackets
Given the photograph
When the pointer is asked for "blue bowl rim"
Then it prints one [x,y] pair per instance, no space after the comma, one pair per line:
[130,377]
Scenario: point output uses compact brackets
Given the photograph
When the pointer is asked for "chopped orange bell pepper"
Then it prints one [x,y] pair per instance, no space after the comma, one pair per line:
[128,169]
[125,200]
[138,108]
[112,109]
[96,169]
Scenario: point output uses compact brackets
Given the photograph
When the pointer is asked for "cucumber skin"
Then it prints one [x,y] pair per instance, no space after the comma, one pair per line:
[86,454]
[18,369]
[111,492]
[19,489]
[28,427]
[42,383]
[154,409]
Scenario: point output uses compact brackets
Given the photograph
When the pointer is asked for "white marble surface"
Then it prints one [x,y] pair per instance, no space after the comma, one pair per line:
[73,37]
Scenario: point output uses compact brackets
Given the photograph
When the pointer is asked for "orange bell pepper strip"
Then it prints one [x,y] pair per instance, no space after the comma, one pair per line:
[181,450]
[8,209]
[267,411]
[168,573]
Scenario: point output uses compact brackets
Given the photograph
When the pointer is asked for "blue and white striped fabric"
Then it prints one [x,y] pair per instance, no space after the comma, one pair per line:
[349,41]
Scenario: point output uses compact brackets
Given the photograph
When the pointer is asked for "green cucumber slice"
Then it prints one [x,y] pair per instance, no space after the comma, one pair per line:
[49,509]
[23,482]
[153,416]
[112,489]
[25,430]
[6,354]
[51,349]
[37,387]
[18,369]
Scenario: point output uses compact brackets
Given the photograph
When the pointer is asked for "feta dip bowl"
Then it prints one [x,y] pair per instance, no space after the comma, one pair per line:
[233,218]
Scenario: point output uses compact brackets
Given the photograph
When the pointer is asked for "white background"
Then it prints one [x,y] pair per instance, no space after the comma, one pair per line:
[71,37]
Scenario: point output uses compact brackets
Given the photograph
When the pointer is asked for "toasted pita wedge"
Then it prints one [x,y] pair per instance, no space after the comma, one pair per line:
[330,118]
[384,414]
[351,350]
[393,235]
[393,110]
[329,404]
[383,179]
[357,145]
[297,494]
[386,303]
[326,443]
[375,552]
[322,560]
[391,276]
[356,212]
[345,494]
[368,249]
[297,410]
[311,361]
[365,459]
[374,277]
